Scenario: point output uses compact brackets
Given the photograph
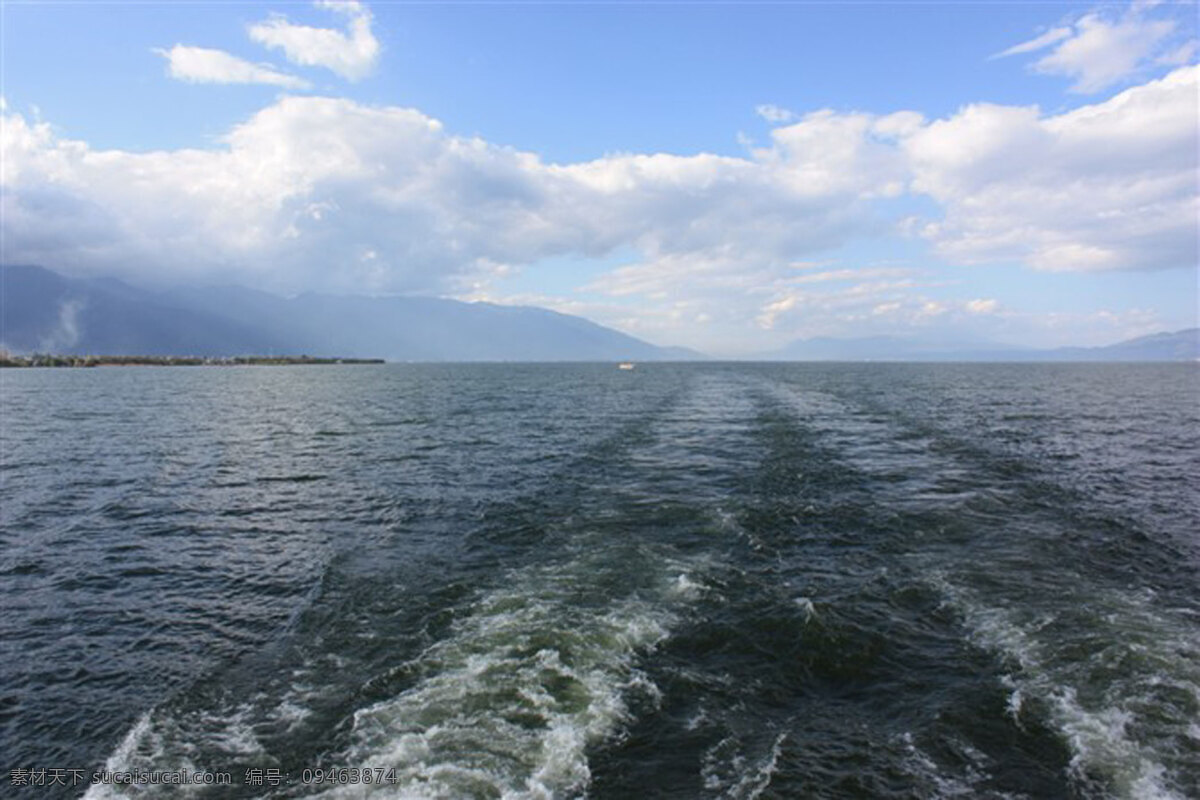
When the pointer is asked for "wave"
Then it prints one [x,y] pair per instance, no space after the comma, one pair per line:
[528,680]
[1118,679]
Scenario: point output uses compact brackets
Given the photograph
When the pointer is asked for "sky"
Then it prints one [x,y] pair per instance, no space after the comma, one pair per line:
[725,176]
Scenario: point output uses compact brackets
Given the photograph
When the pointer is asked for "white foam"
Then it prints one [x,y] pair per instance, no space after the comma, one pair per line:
[232,733]
[291,714]
[511,701]
[926,770]
[810,610]
[1016,700]
[1097,732]
[698,719]
[144,748]
[122,758]
[687,588]
[1101,737]
[162,742]
[711,763]
[141,732]
[725,768]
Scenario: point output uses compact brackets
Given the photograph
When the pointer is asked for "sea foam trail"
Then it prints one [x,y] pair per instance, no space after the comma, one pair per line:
[1113,669]
[1124,711]
[544,668]
[541,664]
[535,674]
[728,772]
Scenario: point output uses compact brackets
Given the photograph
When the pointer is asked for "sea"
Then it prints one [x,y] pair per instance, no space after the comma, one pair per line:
[704,580]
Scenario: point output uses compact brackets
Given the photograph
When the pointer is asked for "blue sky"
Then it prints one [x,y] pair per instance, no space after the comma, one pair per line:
[725,176]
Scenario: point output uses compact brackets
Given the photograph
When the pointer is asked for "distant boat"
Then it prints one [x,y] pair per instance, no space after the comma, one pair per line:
[625,365]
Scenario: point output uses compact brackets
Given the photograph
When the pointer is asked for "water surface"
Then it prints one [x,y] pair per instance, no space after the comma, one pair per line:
[705,580]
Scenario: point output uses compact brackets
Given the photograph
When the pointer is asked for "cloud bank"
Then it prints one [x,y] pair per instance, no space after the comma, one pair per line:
[1106,186]
[315,193]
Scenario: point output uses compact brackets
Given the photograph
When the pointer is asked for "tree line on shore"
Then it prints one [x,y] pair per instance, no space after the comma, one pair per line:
[51,360]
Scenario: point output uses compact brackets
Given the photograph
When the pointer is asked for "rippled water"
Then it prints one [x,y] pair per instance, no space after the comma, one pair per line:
[567,580]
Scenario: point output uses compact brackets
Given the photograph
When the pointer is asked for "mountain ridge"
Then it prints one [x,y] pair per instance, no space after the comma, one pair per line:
[1181,345]
[45,311]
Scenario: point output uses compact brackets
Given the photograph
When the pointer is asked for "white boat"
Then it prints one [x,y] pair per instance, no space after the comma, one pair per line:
[625,365]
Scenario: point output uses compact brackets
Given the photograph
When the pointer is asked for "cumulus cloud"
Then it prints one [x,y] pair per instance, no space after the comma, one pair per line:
[351,54]
[849,306]
[204,65]
[315,193]
[1102,53]
[1099,50]
[1106,186]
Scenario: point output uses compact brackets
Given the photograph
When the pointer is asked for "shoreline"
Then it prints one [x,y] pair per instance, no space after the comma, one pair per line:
[41,360]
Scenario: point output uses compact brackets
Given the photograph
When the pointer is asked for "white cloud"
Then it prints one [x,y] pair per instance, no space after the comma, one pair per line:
[1106,186]
[204,65]
[1100,49]
[774,114]
[931,308]
[857,274]
[1180,55]
[1102,53]
[351,54]
[307,185]
[315,193]
[982,306]
[827,152]
[1088,328]
[1038,42]
[848,309]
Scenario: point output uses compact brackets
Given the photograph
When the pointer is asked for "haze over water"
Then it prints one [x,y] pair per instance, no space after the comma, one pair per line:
[704,580]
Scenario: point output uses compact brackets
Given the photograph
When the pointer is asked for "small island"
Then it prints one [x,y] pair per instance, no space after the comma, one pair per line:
[46,360]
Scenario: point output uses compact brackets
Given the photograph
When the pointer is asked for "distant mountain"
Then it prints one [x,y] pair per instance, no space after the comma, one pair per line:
[46,312]
[891,348]
[1178,346]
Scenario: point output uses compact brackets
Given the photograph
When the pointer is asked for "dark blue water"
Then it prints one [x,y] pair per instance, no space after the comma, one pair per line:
[682,581]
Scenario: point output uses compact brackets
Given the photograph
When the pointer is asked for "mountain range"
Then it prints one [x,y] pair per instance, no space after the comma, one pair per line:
[1181,345]
[43,311]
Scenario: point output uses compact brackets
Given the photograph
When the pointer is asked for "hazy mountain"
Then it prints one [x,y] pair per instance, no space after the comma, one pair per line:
[888,348]
[422,328]
[1178,346]
[44,311]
